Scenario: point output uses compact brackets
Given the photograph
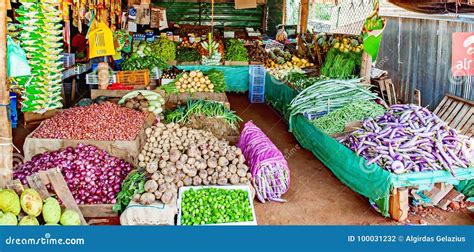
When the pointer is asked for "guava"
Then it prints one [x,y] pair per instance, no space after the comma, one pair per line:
[8,219]
[70,218]
[9,202]
[29,220]
[51,211]
[31,202]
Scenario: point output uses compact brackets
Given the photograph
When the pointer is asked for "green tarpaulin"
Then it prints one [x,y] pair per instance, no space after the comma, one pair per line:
[279,95]
[371,181]
[236,77]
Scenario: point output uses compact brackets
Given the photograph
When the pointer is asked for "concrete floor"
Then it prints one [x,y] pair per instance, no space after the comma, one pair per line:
[316,196]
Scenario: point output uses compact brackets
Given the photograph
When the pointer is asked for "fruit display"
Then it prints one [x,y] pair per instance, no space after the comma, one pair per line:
[41,39]
[29,209]
[278,57]
[143,100]
[257,53]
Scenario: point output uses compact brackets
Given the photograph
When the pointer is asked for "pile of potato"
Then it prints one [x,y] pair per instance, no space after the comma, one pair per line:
[195,81]
[176,156]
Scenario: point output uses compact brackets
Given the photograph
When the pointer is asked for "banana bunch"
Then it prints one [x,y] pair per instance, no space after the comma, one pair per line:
[143,100]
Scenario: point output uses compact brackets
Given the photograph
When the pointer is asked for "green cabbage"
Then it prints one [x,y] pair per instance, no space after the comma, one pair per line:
[31,202]
[9,202]
[70,218]
[51,211]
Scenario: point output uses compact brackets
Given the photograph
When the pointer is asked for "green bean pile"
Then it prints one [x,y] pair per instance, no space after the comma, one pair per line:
[335,121]
[203,107]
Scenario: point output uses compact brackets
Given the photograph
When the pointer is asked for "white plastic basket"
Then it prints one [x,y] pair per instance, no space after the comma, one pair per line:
[93,78]
[229,187]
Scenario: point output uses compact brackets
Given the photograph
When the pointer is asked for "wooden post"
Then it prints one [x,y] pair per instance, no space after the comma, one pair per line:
[6,148]
[304,13]
[366,67]
[398,204]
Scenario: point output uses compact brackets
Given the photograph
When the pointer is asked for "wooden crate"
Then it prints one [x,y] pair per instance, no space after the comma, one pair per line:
[134,78]
[53,178]
[173,100]
[117,93]
[458,113]
[34,119]
[236,63]
[189,63]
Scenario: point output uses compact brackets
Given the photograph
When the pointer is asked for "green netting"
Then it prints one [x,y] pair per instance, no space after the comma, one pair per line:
[236,77]
[371,181]
[279,95]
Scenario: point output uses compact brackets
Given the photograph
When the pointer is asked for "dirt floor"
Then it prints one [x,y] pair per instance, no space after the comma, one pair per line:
[316,196]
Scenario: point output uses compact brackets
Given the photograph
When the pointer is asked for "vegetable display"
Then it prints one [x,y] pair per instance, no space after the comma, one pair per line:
[341,65]
[302,83]
[162,48]
[196,81]
[236,51]
[257,53]
[269,169]
[175,156]
[171,73]
[212,57]
[92,175]
[335,121]
[211,116]
[41,38]
[215,206]
[29,206]
[141,63]
[186,54]
[143,100]
[285,58]
[325,96]
[133,184]
[409,138]
[105,122]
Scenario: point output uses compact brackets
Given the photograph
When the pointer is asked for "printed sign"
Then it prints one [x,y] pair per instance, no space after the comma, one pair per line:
[463,54]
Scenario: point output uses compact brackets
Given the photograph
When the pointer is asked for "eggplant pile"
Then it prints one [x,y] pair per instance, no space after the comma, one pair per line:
[41,40]
[409,138]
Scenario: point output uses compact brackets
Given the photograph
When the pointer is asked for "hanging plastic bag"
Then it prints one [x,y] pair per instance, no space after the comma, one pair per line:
[16,60]
[101,40]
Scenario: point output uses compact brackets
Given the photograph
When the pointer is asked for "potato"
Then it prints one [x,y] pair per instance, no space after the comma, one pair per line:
[151,186]
[241,172]
[152,167]
[203,174]
[147,198]
[158,195]
[197,181]
[167,197]
[234,179]
[232,168]
[222,181]
[175,155]
[212,162]
[223,162]
[187,181]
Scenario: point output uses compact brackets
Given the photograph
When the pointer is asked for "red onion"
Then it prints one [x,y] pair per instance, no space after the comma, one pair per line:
[86,170]
[106,122]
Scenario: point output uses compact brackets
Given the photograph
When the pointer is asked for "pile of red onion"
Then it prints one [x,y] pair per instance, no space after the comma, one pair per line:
[92,175]
[106,122]
[270,173]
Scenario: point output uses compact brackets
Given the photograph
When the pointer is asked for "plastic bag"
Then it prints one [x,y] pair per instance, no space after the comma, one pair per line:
[16,60]
[101,40]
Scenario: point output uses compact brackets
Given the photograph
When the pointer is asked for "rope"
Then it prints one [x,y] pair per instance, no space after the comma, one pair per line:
[9,141]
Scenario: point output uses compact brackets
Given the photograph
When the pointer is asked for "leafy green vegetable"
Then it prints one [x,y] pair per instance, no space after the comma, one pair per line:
[340,65]
[187,54]
[136,62]
[236,51]
[215,205]
[164,49]
[217,78]
[133,184]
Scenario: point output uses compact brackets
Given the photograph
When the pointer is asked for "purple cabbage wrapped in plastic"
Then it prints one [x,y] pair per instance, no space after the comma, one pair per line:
[409,138]
[270,173]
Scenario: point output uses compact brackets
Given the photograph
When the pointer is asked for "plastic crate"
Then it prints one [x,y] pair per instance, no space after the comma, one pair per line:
[257,70]
[12,110]
[256,98]
[312,116]
[257,79]
[93,78]
[227,187]
[69,59]
[134,78]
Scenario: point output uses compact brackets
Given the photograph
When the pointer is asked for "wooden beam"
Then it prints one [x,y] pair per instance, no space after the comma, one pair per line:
[6,148]
[304,14]
[398,204]
[366,67]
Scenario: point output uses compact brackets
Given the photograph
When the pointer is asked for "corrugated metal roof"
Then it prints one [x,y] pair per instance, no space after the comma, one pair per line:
[390,10]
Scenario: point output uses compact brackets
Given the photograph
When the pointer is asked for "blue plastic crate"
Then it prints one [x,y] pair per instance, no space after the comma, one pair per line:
[257,70]
[256,98]
[12,110]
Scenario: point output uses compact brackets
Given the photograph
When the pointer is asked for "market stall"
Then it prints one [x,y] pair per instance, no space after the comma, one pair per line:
[156,138]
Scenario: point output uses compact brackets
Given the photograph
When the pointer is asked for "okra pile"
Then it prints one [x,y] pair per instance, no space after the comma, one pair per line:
[41,40]
[214,206]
